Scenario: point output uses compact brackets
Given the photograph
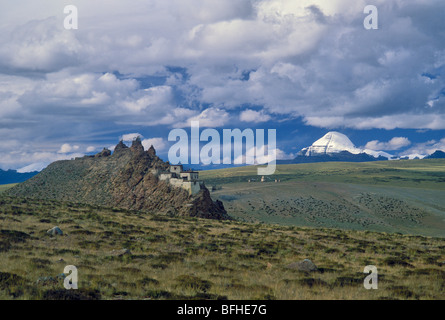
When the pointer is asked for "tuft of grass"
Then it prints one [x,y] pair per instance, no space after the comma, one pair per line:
[62,294]
[393,261]
[193,282]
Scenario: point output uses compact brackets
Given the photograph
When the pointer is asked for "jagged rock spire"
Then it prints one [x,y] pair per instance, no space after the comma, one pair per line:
[104,153]
[137,145]
[120,146]
[151,151]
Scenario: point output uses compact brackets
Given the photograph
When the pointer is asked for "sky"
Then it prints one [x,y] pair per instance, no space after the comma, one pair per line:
[147,67]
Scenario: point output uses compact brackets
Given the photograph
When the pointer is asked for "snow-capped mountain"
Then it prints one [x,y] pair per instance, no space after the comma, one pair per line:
[334,143]
[335,146]
[413,156]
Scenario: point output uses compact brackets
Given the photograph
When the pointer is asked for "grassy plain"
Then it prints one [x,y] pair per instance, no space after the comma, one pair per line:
[390,196]
[186,258]
[321,212]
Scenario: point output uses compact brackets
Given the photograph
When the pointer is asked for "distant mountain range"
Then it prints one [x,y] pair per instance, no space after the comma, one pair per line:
[335,142]
[436,155]
[12,176]
[335,146]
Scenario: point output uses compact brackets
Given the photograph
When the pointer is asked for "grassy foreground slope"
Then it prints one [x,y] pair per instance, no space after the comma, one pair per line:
[190,258]
[390,196]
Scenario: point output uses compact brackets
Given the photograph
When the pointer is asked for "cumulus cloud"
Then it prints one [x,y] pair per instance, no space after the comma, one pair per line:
[211,117]
[158,143]
[426,148]
[254,116]
[67,148]
[280,55]
[39,166]
[395,143]
[149,99]
[129,137]
[167,63]
[25,161]
[39,45]
[263,155]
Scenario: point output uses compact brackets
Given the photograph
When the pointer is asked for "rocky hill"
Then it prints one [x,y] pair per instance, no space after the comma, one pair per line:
[125,179]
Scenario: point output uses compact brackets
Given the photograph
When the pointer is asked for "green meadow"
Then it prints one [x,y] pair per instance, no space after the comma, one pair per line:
[390,196]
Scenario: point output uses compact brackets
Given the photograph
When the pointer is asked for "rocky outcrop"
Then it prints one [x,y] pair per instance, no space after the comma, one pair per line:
[151,151]
[306,265]
[120,147]
[55,231]
[202,203]
[125,179]
[136,146]
[104,153]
